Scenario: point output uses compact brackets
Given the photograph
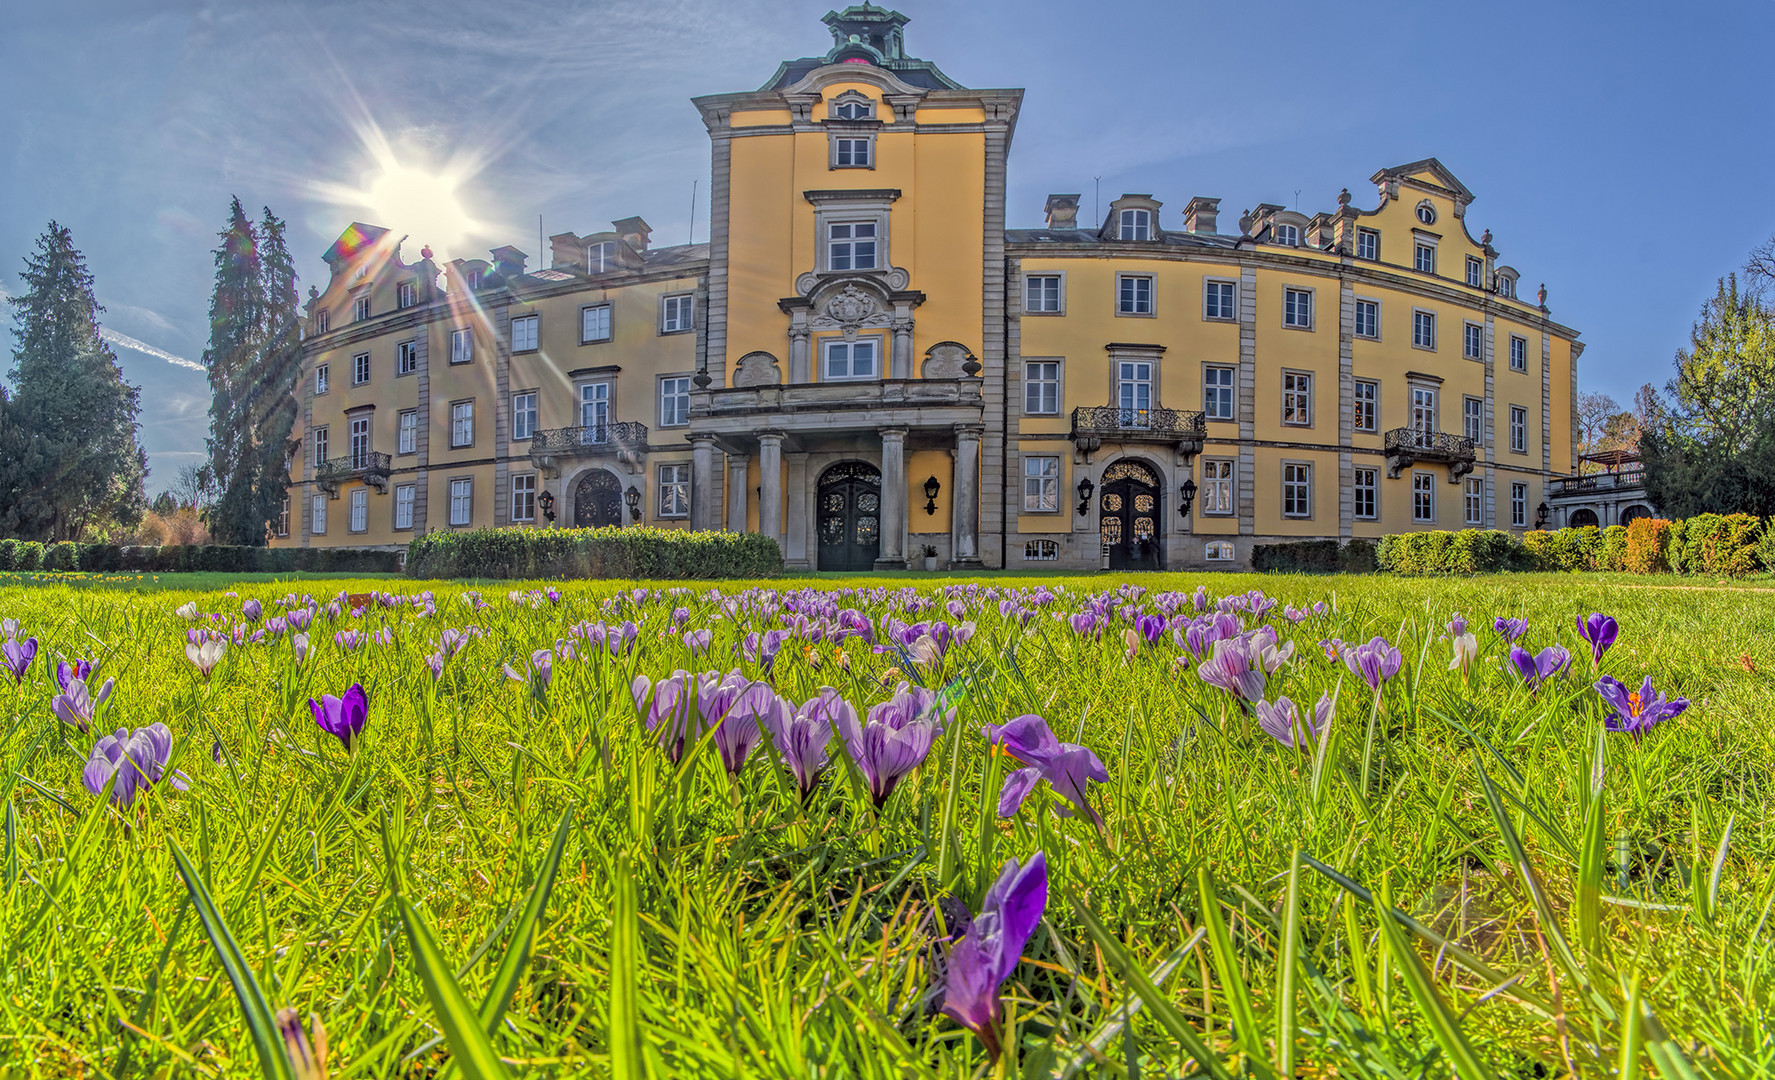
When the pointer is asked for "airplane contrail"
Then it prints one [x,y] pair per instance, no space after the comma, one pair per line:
[143,347]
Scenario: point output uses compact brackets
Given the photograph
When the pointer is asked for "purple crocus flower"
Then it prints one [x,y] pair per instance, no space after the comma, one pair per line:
[1600,631]
[668,708]
[739,711]
[1511,629]
[802,739]
[554,595]
[299,647]
[206,655]
[342,716]
[1374,663]
[348,639]
[1067,767]
[1457,625]
[697,641]
[252,609]
[894,740]
[1151,627]
[1084,624]
[991,946]
[300,617]
[1537,668]
[17,656]
[77,705]
[542,669]
[1636,711]
[1283,721]
[84,670]
[137,758]
[1236,667]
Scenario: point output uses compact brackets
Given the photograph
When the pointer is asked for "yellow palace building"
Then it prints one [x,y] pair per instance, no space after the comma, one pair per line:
[867,364]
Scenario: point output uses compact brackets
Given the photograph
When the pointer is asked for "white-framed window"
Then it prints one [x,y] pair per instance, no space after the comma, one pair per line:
[1423,496]
[406,358]
[1040,551]
[462,501]
[1134,225]
[407,295]
[1423,329]
[320,446]
[317,515]
[1475,501]
[1041,388]
[1368,244]
[1134,293]
[1216,492]
[1368,319]
[524,333]
[1297,308]
[1423,409]
[851,153]
[360,510]
[1364,486]
[1365,405]
[853,110]
[1475,272]
[1217,393]
[1425,260]
[1041,294]
[1518,429]
[1219,551]
[1473,341]
[360,369]
[850,245]
[1134,392]
[594,323]
[675,313]
[1506,286]
[524,414]
[360,307]
[1287,235]
[407,432]
[321,322]
[462,424]
[1518,353]
[360,441]
[1473,420]
[674,401]
[321,379]
[1519,505]
[594,411]
[601,256]
[1041,485]
[474,280]
[1220,300]
[1297,490]
[524,497]
[674,491]
[856,359]
[1426,212]
[281,527]
[403,505]
[1297,398]
[462,346]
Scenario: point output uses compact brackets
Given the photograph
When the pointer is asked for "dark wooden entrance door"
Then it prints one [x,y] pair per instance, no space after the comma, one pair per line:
[1128,516]
[597,500]
[849,512]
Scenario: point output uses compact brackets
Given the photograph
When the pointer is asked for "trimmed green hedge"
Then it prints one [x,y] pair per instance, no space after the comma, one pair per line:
[1303,556]
[1716,545]
[639,552]
[187,558]
[1469,551]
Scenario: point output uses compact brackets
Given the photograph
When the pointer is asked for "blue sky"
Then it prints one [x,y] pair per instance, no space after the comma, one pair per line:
[1621,153]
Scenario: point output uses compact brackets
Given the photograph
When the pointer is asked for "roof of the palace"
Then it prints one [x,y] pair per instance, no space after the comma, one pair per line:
[868,35]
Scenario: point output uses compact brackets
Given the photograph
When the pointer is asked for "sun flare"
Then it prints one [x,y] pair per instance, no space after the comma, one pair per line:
[423,205]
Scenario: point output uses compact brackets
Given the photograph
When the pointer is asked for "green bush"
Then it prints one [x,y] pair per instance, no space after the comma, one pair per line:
[1483,551]
[62,556]
[1720,545]
[29,557]
[1765,545]
[1673,547]
[1611,553]
[1357,557]
[8,554]
[1304,556]
[639,552]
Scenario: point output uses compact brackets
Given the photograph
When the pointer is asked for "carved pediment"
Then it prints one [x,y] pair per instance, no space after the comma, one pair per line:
[889,279]
[757,369]
[851,306]
[948,360]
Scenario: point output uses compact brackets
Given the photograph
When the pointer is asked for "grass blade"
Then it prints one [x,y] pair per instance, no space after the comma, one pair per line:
[626,1060]
[517,954]
[1226,965]
[273,1062]
[1288,962]
[469,1045]
[1445,1027]
[1632,1036]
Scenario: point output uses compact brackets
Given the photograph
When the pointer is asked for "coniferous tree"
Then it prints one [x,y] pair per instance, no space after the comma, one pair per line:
[279,370]
[71,411]
[236,333]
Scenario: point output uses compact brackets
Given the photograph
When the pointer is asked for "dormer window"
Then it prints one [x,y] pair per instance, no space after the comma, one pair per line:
[407,295]
[1506,284]
[1135,225]
[853,110]
[1426,212]
[360,308]
[1287,235]
[474,279]
[601,257]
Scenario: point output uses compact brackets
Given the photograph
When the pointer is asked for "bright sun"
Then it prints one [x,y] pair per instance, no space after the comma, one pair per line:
[419,204]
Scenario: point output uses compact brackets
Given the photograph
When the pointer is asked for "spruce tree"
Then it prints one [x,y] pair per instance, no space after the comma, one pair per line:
[279,370]
[71,411]
[236,333]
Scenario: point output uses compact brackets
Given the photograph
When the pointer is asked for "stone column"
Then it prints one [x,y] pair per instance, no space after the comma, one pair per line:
[736,492]
[800,364]
[795,532]
[770,479]
[901,364]
[893,500]
[965,498]
[702,482]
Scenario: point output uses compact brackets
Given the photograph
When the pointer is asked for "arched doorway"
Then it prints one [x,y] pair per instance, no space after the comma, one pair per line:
[1634,513]
[849,509]
[1579,519]
[1128,516]
[597,500]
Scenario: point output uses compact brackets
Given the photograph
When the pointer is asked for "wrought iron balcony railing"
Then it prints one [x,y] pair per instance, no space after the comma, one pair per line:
[1606,481]
[367,465]
[1407,446]
[1093,425]
[625,439]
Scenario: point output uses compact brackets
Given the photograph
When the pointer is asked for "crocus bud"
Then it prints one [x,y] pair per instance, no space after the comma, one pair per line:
[307,1049]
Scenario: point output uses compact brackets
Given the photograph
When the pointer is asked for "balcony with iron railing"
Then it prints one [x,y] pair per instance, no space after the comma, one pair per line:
[1094,425]
[365,465]
[625,440]
[1409,446]
[1623,480]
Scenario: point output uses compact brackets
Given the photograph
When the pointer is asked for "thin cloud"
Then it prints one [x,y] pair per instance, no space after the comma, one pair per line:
[143,347]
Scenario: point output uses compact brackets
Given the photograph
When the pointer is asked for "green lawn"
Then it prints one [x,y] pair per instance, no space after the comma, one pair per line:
[1565,899]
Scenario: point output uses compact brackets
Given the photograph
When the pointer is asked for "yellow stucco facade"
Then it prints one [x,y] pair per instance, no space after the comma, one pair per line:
[867,364]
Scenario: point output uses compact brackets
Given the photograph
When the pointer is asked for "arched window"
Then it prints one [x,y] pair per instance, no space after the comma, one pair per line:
[1288,235]
[1426,212]
[853,110]
[1220,551]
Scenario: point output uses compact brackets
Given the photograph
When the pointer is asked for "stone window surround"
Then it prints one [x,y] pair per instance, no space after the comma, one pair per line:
[317,512]
[1362,230]
[851,96]
[1434,335]
[659,395]
[1514,366]
[1418,380]
[395,507]
[610,322]
[1471,514]
[1469,325]
[1152,295]
[1211,280]
[864,130]
[1374,399]
[512,328]
[451,419]
[1060,382]
[1466,400]
[1207,365]
[352,503]
[1312,308]
[470,338]
[1311,380]
[512,406]
[1312,508]
[1060,503]
[323,379]
[360,363]
[1024,293]
[1376,336]
[1431,488]
[1374,486]
[450,499]
[659,486]
[607,377]
[1122,351]
[398,419]
[851,207]
[409,347]
[661,324]
[879,337]
[534,492]
[1220,551]
[1232,488]
[1422,239]
[1514,411]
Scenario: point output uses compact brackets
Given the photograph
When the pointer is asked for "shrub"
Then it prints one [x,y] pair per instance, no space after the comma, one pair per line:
[1357,557]
[1648,543]
[8,554]
[639,552]
[1673,546]
[1483,551]
[1765,545]
[29,557]
[1611,553]
[64,555]
[1721,545]
[1304,556]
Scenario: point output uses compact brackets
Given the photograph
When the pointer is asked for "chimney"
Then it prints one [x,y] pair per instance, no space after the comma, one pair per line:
[567,250]
[508,261]
[1062,211]
[634,232]
[1200,215]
